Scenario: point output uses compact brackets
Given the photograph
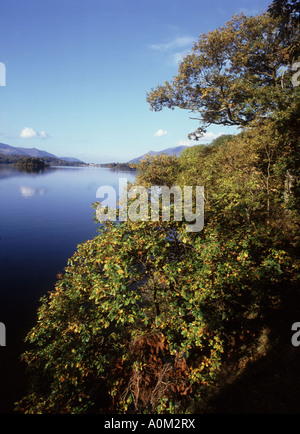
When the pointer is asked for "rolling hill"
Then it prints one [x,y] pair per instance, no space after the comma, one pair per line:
[32,152]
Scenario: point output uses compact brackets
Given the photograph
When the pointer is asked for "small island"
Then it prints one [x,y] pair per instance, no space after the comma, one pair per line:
[31,163]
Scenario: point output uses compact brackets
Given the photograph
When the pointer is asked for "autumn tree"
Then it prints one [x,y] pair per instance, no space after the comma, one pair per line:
[241,75]
[145,315]
[157,170]
[234,76]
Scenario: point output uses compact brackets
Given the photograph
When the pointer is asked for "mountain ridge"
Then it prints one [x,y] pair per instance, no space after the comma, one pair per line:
[32,152]
[8,150]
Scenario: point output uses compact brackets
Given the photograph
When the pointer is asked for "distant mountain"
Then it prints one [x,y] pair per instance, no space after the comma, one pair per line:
[32,152]
[10,150]
[70,159]
[169,151]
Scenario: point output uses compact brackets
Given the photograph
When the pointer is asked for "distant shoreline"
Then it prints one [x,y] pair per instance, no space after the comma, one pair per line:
[50,162]
[117,166]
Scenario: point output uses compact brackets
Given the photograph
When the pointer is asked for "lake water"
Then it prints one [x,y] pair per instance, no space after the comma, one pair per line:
[43,217]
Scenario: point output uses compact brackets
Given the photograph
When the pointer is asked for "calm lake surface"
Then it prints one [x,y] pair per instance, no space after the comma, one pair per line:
[43,217]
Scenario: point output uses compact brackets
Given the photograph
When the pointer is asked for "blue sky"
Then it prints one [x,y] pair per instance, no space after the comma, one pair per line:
[77,72]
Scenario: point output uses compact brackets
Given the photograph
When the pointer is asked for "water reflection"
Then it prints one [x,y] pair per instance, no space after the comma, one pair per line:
[9,171]
[27,191]
[31,170]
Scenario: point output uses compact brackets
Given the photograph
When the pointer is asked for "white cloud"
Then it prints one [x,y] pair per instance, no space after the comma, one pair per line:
[183,142]
[175,49]
[44,135]
[207,138]
[179,42]
[28,133]
[160,133]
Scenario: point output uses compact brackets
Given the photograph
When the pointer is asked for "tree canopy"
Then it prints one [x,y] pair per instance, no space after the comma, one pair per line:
[236,75]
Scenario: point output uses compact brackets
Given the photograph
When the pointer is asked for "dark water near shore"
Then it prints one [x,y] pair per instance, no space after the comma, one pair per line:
[43,217]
